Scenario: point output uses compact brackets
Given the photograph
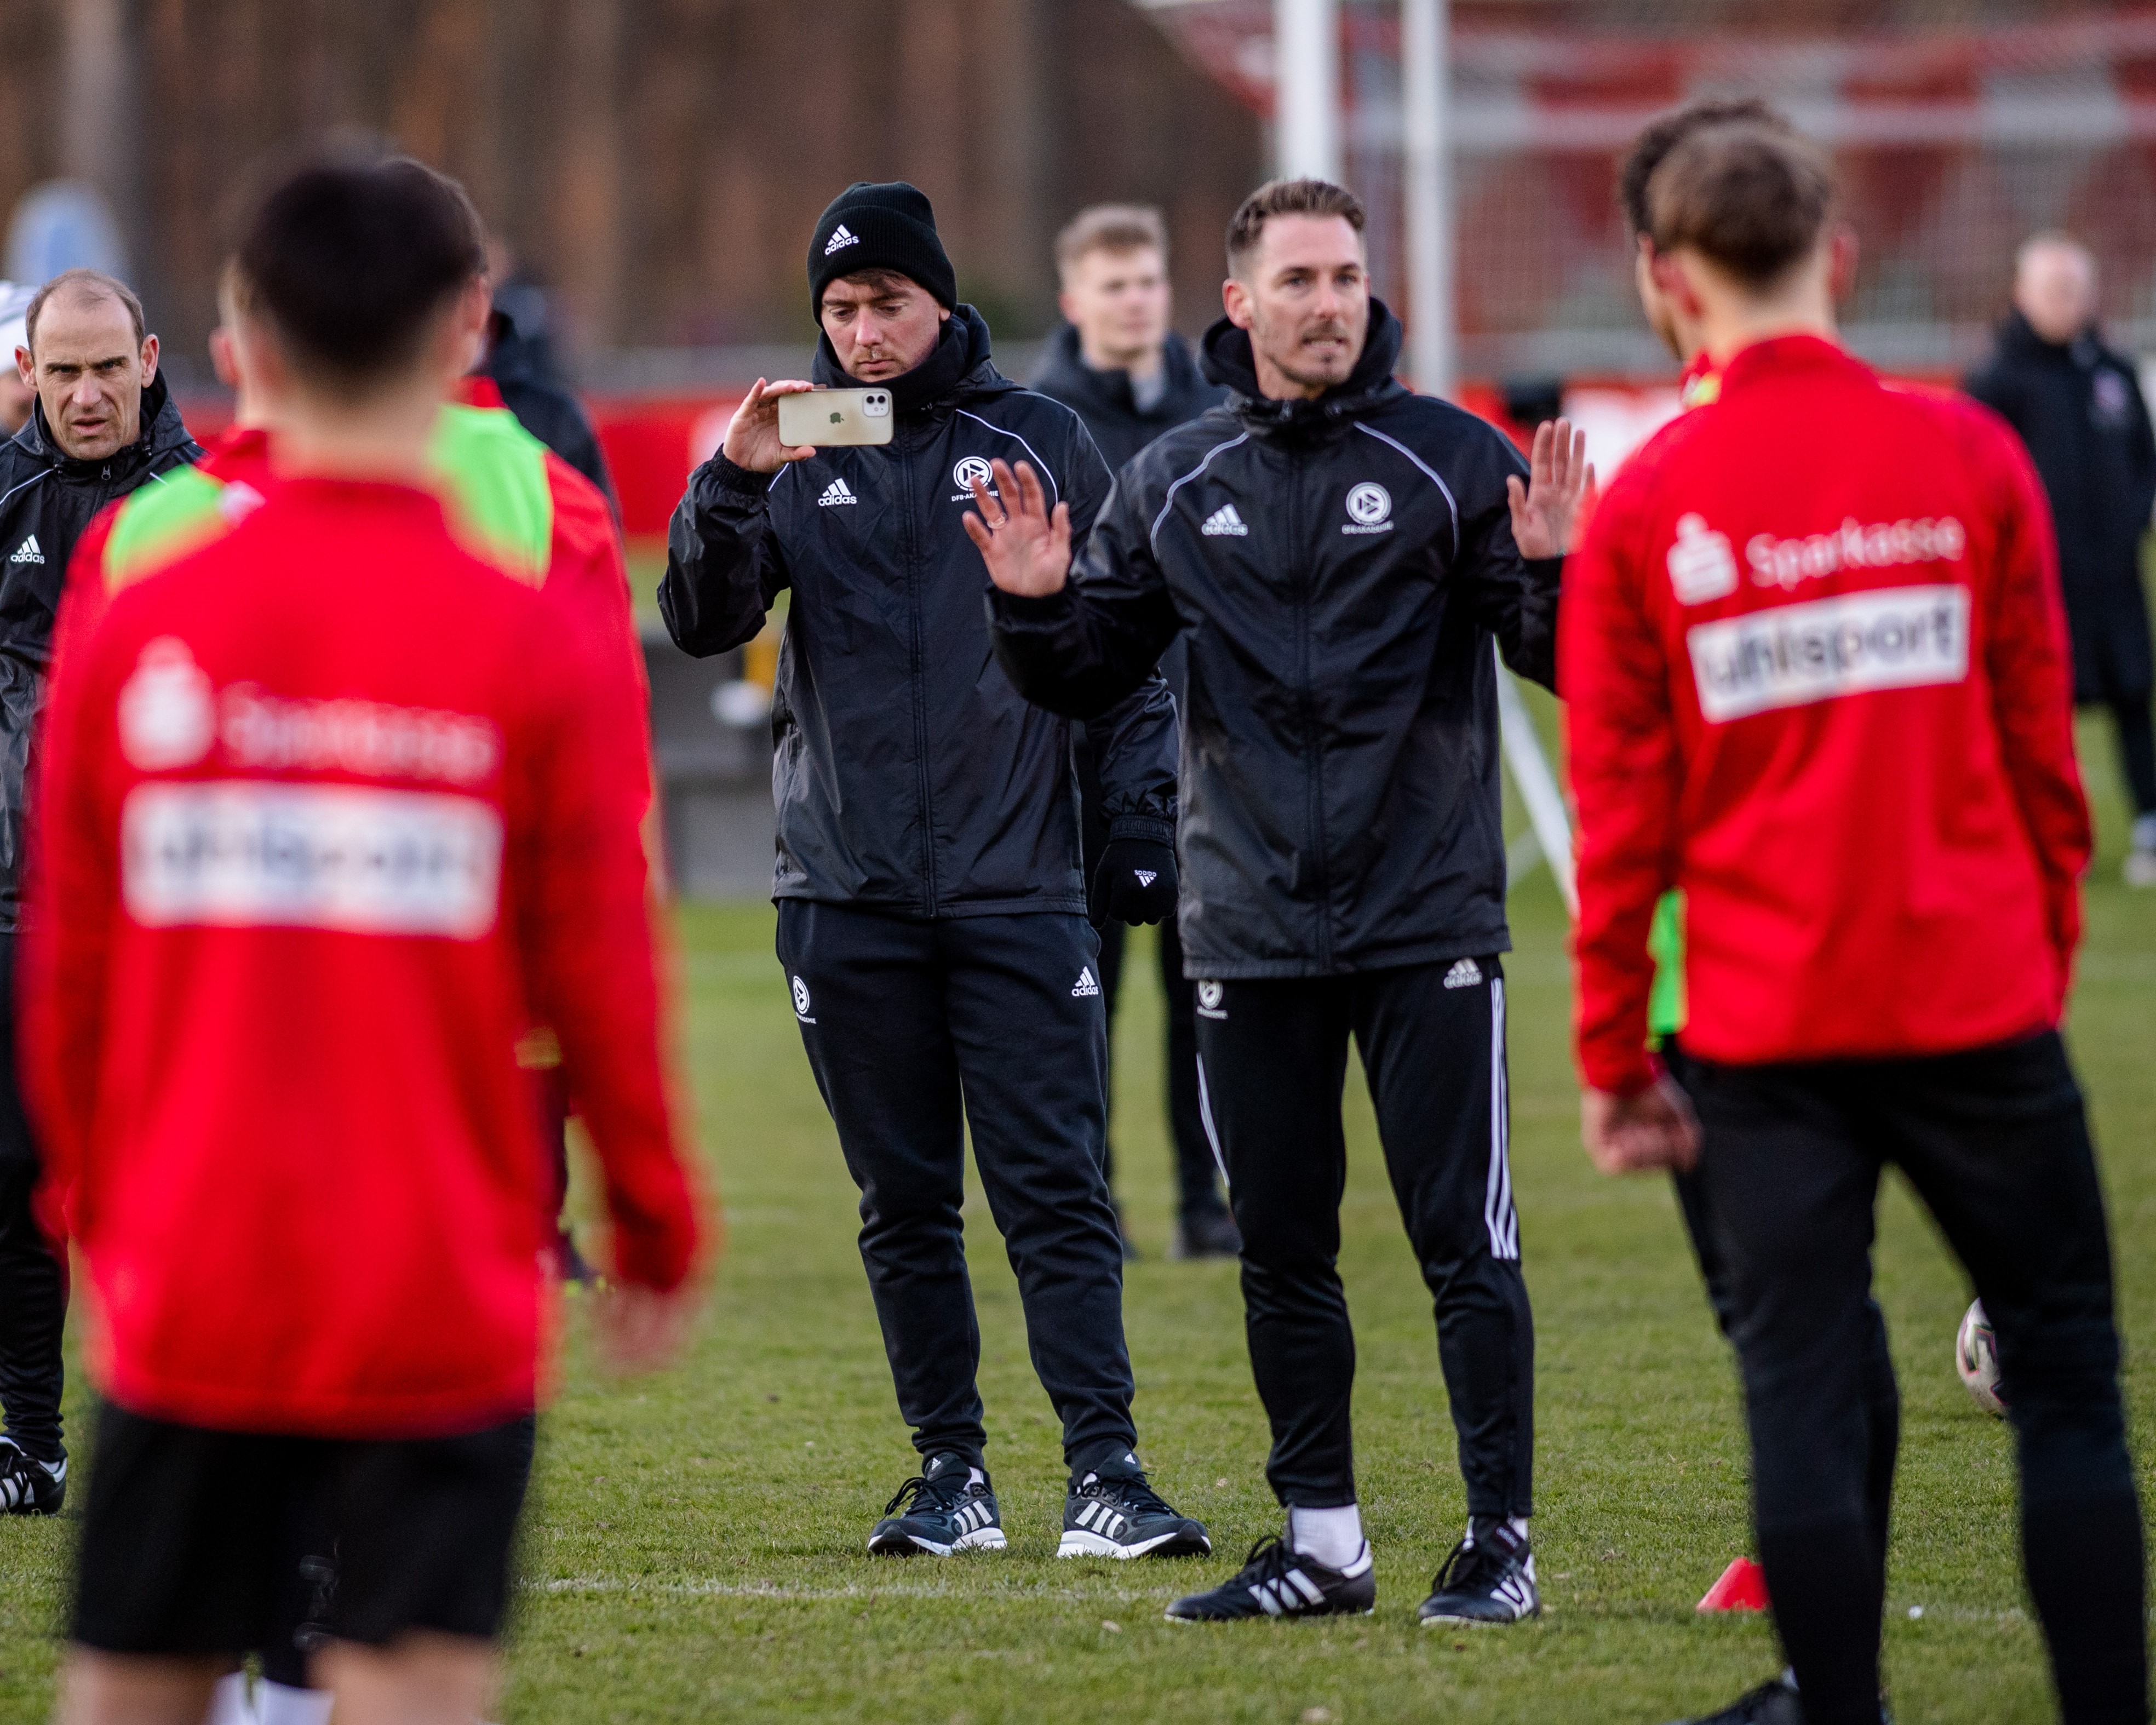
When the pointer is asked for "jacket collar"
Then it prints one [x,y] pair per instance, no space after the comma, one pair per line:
[162,433]
[1778,356]
[1228,361]
[959,369]
[2018,338]
[1066,374]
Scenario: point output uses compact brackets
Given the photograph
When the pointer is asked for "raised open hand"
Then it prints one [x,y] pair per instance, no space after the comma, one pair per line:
[752,439]
[1550,510]
[1027,547]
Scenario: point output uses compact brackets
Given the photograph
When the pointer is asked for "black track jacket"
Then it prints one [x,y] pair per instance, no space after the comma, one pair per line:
[1338,568]
[1121,427]
[46,500]
[2078,408]
[909,776]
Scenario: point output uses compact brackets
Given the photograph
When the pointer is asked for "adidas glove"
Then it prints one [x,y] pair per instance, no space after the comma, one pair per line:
[1136,881]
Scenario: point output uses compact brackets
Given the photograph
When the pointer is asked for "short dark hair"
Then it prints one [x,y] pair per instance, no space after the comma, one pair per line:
[1111,228]
[80,285]
[1287,197]
[350,262]
[1663,133]
[1751,199]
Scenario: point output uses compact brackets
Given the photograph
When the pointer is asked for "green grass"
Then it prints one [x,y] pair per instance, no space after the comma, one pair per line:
[694,1550]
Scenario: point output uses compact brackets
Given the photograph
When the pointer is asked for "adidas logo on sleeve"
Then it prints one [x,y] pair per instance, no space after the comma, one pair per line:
[835,492]
[841,237]
[1223,521]
[27,552]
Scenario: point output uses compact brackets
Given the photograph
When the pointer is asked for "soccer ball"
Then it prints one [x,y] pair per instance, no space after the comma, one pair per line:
[1976,1356]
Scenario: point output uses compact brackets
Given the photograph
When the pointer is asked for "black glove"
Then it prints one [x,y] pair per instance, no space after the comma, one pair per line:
[1136,881]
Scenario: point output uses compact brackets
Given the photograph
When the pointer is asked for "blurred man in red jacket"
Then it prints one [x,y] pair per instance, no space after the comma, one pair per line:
[1817,677]
[317,851]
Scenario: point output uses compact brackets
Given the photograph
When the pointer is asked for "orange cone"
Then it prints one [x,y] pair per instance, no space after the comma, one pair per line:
[1742,1588]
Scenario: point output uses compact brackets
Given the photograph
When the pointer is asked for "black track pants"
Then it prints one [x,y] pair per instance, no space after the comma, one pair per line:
[32,1281]
[1995,1143]
[1194,1167]
[916,1031]
[2137,751]
[1273,1060]
[1882,1395]
[1195,1192]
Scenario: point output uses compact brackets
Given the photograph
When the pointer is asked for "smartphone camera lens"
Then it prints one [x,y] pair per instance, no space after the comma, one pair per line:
[876,405]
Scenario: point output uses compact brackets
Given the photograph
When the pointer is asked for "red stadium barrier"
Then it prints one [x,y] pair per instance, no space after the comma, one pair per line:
[653,444]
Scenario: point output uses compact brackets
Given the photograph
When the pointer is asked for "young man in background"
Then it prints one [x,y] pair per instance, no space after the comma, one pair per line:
[510,502]
[1117,365]
[307,875]
[1817,677]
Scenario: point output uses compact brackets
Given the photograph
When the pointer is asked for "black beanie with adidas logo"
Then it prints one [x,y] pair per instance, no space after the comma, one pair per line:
[879,226]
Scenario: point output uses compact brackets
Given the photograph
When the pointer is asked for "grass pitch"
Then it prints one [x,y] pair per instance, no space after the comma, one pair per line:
[695,1548]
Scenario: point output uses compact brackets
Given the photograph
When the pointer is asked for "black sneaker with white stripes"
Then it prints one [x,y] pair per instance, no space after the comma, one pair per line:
[1278,1581]
[1489,1577]
[941,1509]
[1119,1515]
[28,1486]
[1774,1703]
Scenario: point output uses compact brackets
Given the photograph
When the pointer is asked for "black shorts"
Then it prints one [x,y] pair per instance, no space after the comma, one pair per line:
[189,1534]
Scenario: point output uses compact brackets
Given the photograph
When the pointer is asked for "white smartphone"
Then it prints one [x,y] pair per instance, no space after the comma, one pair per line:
[822,418]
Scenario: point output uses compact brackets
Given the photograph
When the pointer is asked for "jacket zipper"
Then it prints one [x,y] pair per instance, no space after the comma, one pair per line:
[1312,754]
[913,568]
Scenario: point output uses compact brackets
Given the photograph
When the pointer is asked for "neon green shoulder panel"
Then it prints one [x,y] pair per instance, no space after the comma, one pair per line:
[1668,1006]
[495,486]
[160,523]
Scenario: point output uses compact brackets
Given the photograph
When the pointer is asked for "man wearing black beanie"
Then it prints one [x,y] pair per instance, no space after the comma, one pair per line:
[932,907]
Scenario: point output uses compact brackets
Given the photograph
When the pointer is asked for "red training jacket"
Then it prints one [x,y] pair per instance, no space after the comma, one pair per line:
[1815,671]
[326,823]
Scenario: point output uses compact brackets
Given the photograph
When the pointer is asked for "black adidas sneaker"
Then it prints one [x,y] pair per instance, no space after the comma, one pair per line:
[940,1510]
[1277,1582]
[1489,1577]
[29,1487]
[1774,1703]
[1119,1515]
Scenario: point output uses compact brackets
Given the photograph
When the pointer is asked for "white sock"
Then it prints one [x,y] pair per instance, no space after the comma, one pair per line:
[227,1702]
[1514,1524]
[281,1704]
[1330,1536]
[974,1477]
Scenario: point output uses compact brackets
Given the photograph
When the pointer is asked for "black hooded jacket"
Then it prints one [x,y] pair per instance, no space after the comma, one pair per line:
[1104,400]
[909,776]
[47,498]
[1338,568]
[522,368]
[2078,408]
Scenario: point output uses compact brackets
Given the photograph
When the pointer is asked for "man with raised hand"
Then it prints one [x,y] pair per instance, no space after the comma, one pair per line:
[1817,679]
[306,874]
[1341,555]
[931,909]
[102,425]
